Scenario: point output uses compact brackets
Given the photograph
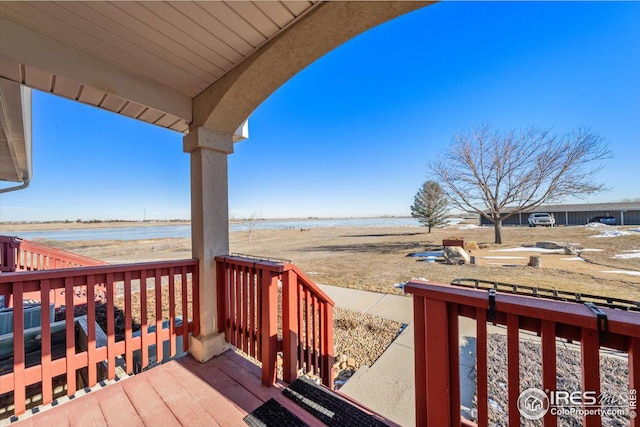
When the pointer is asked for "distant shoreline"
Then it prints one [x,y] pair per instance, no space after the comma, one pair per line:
[64,225]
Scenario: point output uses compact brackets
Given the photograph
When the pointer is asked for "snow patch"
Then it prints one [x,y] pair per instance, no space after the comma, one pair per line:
[630,273]
[575,258]
[597,225]
[468,227]
[637,230]
[532,249]
[590,250]
[634,253]
[504,257]
[616,233]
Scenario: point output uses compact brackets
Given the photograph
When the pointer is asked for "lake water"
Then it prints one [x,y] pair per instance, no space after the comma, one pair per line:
[177,231]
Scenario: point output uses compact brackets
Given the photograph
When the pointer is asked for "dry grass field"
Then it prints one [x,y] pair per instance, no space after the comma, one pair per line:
[377,258]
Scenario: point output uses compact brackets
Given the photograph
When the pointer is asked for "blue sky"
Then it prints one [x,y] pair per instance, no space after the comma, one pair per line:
[352,134]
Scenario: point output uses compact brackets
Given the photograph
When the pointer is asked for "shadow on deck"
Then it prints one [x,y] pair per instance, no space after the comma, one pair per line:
[220,392]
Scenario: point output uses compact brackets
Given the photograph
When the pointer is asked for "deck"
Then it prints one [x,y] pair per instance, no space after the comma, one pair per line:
[183,392]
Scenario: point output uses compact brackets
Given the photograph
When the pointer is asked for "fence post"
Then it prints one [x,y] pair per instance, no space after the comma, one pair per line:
[290,333]
[269,329]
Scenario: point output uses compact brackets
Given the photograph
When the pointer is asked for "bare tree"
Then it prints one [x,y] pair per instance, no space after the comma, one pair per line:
[497,175]
[430,205]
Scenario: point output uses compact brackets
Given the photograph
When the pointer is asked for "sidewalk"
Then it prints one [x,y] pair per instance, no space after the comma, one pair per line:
[387,387]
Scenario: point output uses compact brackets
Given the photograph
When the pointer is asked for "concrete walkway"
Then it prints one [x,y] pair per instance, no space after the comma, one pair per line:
[388,386]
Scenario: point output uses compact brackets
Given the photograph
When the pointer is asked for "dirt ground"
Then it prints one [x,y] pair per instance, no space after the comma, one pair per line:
[377,258]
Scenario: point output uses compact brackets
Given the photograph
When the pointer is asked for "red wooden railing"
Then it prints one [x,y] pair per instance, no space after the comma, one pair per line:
[24,255]
[436,311]
[17,255]
[159,278]
[251,313]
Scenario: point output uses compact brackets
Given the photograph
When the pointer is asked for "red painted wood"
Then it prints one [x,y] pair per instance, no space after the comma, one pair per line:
[482,376]
[300,324]
[307,329]
[437,364]
[513,364]
[221,278]
[590,370]
[148,402]
[19,393]
[252,312]
[195,303]
[111,328]
[419,338]
[128,323]
[185,308]
[158,295]
[316,335]
[634,376]
[549,373]
[91,331]
[289,326]
[232,305]
[117,408]
[238,305]
[329,373]
[269,328]
[70,336]
[45,322]
[144,331]
[454,361]
[172,312]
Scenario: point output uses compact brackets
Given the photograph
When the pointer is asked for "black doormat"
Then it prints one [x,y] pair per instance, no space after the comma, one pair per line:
[328,407]
[273,414]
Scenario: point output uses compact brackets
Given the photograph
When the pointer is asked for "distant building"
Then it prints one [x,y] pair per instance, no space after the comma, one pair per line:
[625,213]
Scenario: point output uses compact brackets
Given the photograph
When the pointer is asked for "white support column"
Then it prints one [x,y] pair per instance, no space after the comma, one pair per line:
[209,228]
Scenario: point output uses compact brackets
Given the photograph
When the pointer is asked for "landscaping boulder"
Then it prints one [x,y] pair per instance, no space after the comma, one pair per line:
[456,255]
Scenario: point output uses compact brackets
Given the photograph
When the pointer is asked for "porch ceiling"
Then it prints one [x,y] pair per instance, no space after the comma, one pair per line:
[145,60]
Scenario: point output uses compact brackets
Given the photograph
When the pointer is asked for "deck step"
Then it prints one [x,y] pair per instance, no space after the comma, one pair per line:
[272,413]
[328,407]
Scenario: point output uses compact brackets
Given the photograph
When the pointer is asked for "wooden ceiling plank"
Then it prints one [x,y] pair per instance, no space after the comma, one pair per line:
[132,109]
[255,17]
[66,87]
[37,78]
[234,21]
[276,11]
[297,7]
[151,115]
[10,69]
[113,103]
[156,42]
[139,58]
[113,19]
[153,9]
[199,33]
[213,25]
[37,20]
[90,95]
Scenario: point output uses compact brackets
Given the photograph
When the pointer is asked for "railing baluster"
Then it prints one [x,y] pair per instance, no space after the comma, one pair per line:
[269,328]
[513,364]
[70,336]
[238,304]
[158,295]
[221,300]
[172,313]
[454,361]
[45,322]
[252,311]
[91,331]
[195,300]
[144,351]
[128,323]
[634,374]
[111,328]
[482,376]
[300,325]
[316,334]
[232,305]
[328,345]
[308,329]
[185,310]
[419,338]
[245,307]
[548,335]
[289,325]
[19,387]
[590,352]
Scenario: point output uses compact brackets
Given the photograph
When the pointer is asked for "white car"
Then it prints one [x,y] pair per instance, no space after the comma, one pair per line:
[541,218]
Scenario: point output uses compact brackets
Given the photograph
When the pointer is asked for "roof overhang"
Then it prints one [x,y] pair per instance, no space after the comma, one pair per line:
[15,132]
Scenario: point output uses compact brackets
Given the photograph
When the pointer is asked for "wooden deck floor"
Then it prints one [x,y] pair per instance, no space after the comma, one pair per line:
[183,392]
